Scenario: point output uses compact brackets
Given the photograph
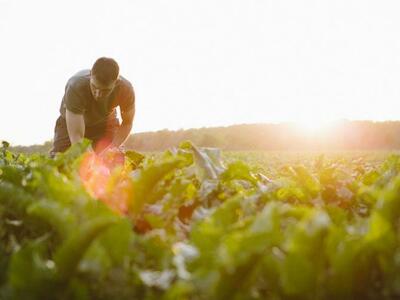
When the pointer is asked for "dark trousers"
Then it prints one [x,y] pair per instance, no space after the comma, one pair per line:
[101,135]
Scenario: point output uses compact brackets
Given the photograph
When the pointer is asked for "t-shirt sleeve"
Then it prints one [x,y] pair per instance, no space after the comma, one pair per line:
[128,99]
[73,101]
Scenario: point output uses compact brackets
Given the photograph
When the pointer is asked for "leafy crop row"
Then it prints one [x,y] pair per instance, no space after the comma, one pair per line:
[184,224]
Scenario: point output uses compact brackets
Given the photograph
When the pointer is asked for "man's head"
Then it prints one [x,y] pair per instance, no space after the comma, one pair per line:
[103,76]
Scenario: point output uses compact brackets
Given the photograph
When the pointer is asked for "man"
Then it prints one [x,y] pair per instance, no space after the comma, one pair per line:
[88,108]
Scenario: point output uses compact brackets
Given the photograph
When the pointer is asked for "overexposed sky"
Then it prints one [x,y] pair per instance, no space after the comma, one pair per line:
[203,63]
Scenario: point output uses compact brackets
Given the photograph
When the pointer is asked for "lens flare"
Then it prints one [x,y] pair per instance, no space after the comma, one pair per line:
[105,177]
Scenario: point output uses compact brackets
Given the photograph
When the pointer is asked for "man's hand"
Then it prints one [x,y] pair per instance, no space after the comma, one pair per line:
[109,149]
[112,157]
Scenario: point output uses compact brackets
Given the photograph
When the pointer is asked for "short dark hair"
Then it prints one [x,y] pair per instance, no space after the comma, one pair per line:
[105,70]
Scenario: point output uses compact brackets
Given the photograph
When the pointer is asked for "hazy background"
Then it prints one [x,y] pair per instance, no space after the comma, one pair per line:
[203,63]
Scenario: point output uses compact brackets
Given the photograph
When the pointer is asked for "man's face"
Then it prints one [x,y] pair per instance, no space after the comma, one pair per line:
[99,90]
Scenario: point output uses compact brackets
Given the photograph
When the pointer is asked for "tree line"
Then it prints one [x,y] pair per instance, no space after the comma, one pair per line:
[345,135]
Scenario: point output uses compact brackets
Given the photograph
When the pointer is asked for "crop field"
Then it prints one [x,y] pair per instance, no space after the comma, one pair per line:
[195,223]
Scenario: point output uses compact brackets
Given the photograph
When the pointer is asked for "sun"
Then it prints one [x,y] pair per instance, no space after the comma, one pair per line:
[314,125]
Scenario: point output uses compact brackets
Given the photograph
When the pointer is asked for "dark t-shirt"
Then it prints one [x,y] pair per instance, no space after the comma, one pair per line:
[78,99]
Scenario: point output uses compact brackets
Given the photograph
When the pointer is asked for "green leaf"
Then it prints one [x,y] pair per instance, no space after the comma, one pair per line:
[14,197]
[5,144]
[52,213]
[145,180]
[208,163]
[69,254]
[135,158]
[239,170]
[30,275]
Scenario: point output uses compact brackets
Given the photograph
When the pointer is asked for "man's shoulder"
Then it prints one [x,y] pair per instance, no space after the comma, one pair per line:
[79,80]
[125,94]
[124,83]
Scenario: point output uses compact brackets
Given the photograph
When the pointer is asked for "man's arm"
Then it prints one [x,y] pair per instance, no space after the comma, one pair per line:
[75,126]
[123,131]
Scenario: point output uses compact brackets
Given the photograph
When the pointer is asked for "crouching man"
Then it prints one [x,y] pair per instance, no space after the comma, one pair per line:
[88,108]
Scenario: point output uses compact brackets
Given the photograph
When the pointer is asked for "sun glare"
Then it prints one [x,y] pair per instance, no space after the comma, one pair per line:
[314,126]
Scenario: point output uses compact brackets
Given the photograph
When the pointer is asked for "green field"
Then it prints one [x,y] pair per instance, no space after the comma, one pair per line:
[195,223]
[268,161]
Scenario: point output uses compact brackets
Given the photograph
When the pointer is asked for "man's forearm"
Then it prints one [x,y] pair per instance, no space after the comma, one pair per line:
[75,127]
[76,135]
[75,138]
[121,134]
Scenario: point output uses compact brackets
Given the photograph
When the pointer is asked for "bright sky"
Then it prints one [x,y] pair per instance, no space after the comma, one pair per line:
[203,63]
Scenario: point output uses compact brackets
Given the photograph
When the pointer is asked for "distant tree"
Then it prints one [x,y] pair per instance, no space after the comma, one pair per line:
[349,135]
